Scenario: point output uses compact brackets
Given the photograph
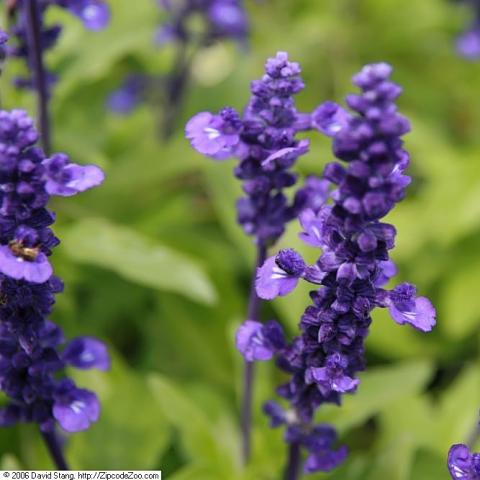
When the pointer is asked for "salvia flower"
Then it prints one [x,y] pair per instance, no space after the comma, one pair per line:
[463,464]
[94,14]
[353,264]
[33,351]
[264,142]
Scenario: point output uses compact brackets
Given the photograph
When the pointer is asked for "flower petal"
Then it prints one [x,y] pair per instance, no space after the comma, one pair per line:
[422,317]
[76,410]
[251,342]
[36,271]
[272,281]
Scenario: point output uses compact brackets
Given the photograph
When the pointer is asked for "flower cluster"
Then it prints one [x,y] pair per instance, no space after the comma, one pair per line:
[354,265]
[30,354]
[265,144]
[94,15]
[468,43]
[462,464]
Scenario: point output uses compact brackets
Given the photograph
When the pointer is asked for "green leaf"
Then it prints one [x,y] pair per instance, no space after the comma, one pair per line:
[378,388]
[430,466]
[458,408]
[391,340]
[460,302]
[132,432]
[194,472]
[435,426]
[9,462]
[395,461]
[199,432]
[224,190]
[136,258]
[415,417]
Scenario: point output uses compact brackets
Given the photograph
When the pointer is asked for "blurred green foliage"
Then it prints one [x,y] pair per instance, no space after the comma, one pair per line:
[155,264]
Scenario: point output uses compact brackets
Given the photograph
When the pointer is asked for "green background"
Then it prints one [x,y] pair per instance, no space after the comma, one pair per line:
[155,265]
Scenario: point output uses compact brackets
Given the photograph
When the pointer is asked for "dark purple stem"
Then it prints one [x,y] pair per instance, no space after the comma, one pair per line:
[292,469]
[253,313]
[176,85]
[55,450]
[34,39]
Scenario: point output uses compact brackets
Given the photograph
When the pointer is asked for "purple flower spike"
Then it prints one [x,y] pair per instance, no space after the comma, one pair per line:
[329,118]
[33,267]
[279,275]
[95,14]
[75,409]
[345,223]
[66,179]
[86,353]
[405,307]
[263,141]
[462,464]
[214,135]
[256,341]
[31,361]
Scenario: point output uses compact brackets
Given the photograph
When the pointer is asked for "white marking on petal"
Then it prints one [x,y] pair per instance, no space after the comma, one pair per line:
[409,315]
[212,133]
[77,406]
[278,273]
[87,356]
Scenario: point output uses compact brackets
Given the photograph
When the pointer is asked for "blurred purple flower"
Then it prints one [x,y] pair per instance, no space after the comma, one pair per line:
[94,14]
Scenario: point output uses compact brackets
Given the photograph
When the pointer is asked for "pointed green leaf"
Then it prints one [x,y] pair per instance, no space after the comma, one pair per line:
[137,258]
